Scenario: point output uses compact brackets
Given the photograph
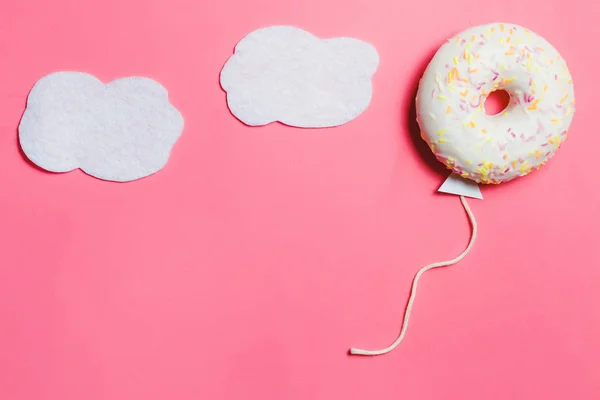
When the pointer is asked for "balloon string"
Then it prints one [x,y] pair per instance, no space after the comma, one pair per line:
[415,285]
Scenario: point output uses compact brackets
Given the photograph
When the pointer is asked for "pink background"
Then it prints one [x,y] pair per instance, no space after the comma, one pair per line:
[249,266]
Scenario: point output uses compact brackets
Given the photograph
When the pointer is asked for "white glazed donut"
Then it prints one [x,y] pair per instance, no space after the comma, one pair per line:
[452,91]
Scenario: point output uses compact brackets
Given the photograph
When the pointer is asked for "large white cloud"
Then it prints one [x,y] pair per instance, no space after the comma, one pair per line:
[120,131]
[285,74]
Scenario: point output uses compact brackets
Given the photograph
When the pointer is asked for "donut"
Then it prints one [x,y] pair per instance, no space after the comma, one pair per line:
[492,149]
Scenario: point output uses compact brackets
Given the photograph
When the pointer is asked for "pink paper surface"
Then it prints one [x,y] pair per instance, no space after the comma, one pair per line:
[258,256]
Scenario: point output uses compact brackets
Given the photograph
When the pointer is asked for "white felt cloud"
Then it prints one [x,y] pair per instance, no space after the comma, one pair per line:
[285,74]
[121,131]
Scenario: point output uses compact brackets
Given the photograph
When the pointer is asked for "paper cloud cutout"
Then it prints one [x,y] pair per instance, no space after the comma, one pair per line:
[120,132]
[285,74]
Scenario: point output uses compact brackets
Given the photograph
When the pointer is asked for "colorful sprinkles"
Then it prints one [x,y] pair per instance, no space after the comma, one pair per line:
[495,149]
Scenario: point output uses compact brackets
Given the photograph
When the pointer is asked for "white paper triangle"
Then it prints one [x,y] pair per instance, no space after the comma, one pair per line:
[455,184]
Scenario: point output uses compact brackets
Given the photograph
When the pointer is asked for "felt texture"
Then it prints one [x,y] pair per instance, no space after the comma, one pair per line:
[121,131]
[247,267]
[286,74]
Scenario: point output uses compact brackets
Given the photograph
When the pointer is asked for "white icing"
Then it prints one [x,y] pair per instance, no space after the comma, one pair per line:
[452,91]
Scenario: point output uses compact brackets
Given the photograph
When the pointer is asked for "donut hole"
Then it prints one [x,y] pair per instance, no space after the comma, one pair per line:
[496,102]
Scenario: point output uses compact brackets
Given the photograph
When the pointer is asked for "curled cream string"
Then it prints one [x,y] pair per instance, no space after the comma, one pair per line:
[415,284]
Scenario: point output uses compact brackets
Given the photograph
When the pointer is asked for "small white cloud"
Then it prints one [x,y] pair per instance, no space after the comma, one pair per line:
[121,131]
[285,74]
